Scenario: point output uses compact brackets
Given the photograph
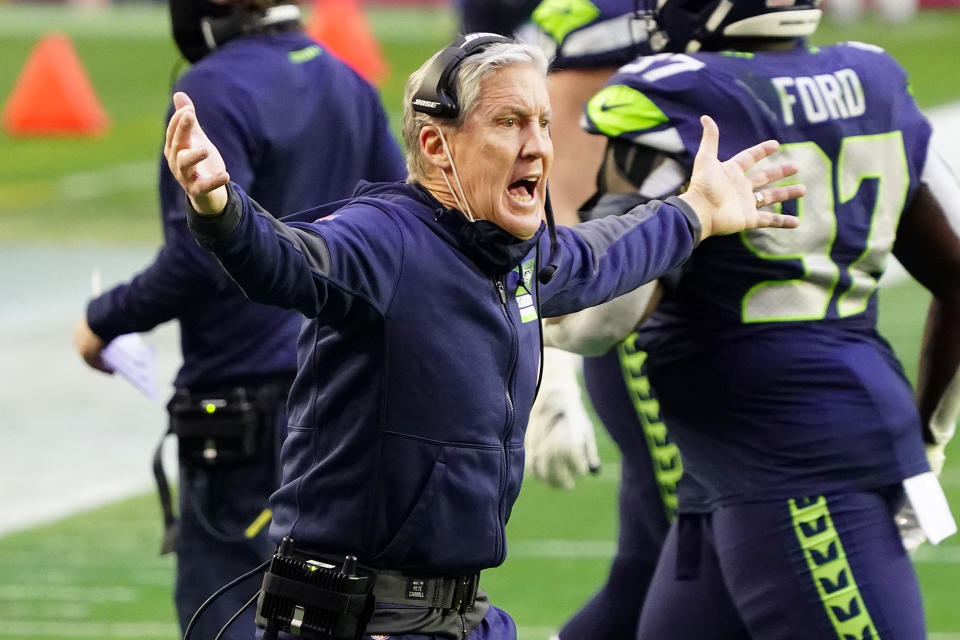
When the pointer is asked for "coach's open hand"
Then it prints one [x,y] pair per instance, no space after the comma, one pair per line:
[722,193]
[193,160]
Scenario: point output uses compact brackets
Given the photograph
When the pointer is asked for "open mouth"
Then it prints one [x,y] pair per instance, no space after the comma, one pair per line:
[524,188]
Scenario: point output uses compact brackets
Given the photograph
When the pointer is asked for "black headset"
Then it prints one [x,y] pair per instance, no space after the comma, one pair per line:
[437,96]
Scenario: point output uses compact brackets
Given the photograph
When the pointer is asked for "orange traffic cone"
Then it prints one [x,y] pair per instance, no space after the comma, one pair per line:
[53,95]
[341,27]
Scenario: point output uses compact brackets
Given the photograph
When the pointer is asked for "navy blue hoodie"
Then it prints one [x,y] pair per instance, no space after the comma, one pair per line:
[418,372]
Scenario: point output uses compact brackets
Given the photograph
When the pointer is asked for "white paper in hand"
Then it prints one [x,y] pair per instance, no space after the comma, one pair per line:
[930,504]
[135,360]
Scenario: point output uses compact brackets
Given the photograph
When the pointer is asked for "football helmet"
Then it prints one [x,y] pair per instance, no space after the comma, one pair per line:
[691,25]
[200,26]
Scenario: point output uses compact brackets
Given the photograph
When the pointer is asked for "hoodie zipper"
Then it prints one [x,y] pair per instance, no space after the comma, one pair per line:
[511,412]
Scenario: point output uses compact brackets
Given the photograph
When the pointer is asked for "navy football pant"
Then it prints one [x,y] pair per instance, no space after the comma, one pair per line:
[217,505]
[650,467]
[820,568]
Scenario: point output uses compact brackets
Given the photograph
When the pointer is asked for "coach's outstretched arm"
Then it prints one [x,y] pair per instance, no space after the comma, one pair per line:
[274,263]
[721,193]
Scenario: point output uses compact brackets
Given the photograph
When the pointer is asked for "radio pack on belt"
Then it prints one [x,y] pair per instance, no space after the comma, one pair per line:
[211,428]
[314,599]
[214,428]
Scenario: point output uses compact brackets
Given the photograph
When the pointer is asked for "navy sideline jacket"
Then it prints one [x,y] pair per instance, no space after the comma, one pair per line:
[296,127]
[418,372]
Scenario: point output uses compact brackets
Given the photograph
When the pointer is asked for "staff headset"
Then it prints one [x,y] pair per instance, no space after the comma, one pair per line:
[437,96]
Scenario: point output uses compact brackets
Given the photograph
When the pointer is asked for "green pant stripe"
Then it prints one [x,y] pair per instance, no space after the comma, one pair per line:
[667,467]
[831,572]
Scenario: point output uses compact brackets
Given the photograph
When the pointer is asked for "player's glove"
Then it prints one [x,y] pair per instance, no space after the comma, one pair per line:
[910,531]
[906,519]
[936,456]
[560,440]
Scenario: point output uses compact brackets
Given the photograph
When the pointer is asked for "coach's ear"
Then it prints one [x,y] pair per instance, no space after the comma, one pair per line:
[432,147]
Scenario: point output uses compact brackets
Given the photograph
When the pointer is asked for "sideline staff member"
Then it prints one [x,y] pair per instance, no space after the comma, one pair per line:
[419,368]
[297,127]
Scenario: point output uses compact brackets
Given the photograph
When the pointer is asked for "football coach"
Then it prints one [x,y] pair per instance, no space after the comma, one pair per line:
[419,361]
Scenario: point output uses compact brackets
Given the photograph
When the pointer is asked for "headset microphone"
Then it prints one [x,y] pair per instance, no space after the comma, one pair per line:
[553,261]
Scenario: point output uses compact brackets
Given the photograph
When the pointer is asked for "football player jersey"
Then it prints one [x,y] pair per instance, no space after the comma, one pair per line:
[765,356]
[590,33]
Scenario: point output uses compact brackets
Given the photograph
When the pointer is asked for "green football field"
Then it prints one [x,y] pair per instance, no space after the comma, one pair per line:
[97,574]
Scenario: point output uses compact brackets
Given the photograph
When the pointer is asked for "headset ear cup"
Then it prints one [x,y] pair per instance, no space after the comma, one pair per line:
[437,95]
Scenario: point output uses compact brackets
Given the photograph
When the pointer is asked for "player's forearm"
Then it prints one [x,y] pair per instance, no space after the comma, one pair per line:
[594,331]
[938,382]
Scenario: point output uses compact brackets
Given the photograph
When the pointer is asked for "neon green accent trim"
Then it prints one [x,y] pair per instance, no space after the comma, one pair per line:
[619,109]
[891,197]
[524,292]
[557,18]
[827,281]
[526,274]
[830,570]
[303,55]
[210,407]
[737,54]
[258,523]
[667,466]
[813,49]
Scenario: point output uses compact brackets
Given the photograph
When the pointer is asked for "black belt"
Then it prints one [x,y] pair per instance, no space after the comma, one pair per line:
[454,593]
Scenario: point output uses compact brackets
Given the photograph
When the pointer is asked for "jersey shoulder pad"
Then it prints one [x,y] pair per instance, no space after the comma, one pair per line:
[589,34]
[647,99]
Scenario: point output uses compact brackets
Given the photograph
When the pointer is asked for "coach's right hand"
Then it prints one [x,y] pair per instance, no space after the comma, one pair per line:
[193,160]
[726,196]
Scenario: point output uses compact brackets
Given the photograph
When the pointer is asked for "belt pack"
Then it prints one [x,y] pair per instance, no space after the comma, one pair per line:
[313,598]
[324,599]
[216,428]
[211,428]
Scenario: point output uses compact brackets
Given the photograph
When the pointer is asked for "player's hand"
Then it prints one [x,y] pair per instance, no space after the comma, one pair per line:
[910,531]
[560,440]
[193,160]
[723,193]
[89,345]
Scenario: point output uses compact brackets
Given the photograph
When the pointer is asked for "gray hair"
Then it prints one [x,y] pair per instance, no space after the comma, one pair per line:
[472,71]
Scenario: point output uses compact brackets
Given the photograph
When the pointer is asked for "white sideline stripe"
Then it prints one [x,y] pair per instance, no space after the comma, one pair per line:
[89,185]
[569,549]
[604,549]
[77,629]
[543,633]
[13,592]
